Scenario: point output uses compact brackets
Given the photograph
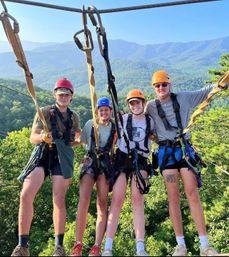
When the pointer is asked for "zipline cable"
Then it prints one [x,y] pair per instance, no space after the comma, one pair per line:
[112,10]
[18,92]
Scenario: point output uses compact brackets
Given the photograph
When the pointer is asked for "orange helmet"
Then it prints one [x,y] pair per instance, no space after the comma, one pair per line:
[135,94]
[160,76]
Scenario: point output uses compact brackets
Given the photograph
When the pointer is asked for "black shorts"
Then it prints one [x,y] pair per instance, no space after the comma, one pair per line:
[50,163]
[179,165]
[123,164]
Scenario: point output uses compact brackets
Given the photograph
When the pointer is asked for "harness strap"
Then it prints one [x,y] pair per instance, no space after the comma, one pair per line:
[222,84]
[68,123]
[87,48]
[14,40]
[129,129]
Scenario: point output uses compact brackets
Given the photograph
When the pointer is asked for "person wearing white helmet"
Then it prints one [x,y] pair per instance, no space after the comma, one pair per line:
[52,155]
[96,169]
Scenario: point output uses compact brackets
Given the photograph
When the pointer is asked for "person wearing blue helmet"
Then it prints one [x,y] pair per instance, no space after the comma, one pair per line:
[96,168]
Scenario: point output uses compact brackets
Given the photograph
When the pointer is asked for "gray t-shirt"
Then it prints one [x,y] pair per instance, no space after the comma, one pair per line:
[104,133]
[187,100]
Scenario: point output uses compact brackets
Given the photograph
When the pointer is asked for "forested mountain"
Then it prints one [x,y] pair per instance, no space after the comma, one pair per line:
[132,64]
[209,135]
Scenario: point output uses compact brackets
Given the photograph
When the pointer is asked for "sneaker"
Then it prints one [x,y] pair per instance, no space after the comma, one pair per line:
[142,253]
[208,251]
[59,251]
[95,251]
[77,249]
[107,253]
[180,250]
[20,251]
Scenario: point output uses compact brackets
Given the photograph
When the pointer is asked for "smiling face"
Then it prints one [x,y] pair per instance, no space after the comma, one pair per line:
[162,90]
[63,99]
[104,113]
[136,106]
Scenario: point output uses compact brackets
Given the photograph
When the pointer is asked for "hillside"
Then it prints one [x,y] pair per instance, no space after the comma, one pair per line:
[132,64]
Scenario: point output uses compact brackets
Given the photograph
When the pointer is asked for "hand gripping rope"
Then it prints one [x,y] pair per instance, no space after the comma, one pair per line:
[14,40]
[87,48]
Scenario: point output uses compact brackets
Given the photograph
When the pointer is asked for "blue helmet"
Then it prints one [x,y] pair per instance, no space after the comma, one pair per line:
[104,101]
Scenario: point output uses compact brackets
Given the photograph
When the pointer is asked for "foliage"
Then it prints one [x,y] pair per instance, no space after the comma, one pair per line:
[210,137]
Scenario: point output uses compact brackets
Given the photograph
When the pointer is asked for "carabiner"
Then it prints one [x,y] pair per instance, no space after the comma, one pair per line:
[87,35]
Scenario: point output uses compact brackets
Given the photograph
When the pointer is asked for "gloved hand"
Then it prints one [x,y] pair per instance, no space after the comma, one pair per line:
[223,82]
[46,137]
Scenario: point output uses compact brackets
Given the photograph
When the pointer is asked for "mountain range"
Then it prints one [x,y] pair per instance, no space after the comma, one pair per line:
[132,64]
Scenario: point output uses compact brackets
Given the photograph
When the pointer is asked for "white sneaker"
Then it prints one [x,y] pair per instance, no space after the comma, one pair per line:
[180,250]
[142,253]
[208,251]
[107,252]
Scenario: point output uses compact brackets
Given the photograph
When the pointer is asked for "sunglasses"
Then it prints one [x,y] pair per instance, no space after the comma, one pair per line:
[161,85]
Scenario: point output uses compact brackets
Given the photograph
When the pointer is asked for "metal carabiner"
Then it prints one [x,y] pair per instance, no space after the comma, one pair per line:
[87,35]
[101,34]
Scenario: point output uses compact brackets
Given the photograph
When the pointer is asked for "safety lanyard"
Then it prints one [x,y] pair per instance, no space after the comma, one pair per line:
[14,40]
[87,48]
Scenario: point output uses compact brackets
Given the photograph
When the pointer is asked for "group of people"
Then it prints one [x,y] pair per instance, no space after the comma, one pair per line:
[161,119]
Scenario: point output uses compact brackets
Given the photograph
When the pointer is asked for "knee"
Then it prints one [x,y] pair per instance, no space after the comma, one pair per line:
[59,200]
[174,199]
[117,202]
[26,198]
[137,199]
[192,194]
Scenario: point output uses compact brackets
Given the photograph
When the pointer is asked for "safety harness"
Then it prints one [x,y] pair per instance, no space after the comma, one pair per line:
[191,157]
[143,184]
[68,123]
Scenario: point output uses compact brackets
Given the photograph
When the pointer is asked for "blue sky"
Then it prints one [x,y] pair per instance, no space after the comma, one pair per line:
[185,23]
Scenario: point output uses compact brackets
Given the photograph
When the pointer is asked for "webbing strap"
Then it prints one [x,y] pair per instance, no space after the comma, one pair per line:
[14,40]
[87,48]
[222,84]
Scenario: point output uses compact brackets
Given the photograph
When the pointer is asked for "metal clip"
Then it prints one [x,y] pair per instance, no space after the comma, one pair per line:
[87,35]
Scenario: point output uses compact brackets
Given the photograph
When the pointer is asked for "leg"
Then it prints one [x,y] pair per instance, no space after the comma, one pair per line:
[102,187]
[137,200]
[86,186]
[30,188]
[118,197]
[192,195]
[60,187]
[171,178]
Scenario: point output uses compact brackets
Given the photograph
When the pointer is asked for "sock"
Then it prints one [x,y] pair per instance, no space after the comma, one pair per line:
[203,241]
[140,246]
[23,240]
[108,243]
[59,239]
[180,240]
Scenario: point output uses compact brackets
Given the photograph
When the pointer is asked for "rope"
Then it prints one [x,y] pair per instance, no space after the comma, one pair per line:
[18,92]
[221,85]
[112,10]
[87,48]
[14,40]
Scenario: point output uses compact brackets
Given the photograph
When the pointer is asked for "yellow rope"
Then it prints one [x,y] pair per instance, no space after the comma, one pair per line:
[221,84]
[14,40]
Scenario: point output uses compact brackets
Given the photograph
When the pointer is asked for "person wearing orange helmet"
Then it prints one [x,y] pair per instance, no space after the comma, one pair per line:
[131,162]
[176,155]
[52,155]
